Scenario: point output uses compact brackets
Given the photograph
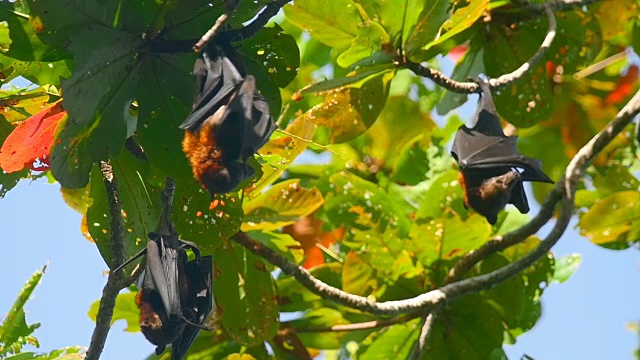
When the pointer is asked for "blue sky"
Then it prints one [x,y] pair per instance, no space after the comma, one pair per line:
[583,318]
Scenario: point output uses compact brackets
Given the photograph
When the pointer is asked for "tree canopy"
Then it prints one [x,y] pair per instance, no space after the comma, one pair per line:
[354,226]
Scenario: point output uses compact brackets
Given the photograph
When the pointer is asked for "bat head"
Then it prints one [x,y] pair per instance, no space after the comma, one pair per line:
[228,178]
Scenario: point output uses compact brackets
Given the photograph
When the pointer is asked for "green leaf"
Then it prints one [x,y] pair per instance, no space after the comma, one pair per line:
[333,23]
[98,117]
[281,205]
[125,309]
[165,96]
[139,194]
[371,38]
[295,297]
[356,77]
[245,295]
[203,222]
[320,318]
[447,238]
[68,353]
[463,18]
[529,100]
[281,150]
[284,244]
[614,219]
[422,23]
[14,331]
[360,204]
[565,267]
[470,66]
[348,111]
[393,342]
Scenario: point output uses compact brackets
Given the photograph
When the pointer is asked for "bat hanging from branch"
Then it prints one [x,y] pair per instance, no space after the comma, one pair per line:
[175,295]
[492,171]
[229,122]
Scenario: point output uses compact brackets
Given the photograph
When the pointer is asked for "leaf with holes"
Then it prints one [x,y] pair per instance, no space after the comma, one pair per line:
[29,143]
[245,295]
[139,193]
[280,206]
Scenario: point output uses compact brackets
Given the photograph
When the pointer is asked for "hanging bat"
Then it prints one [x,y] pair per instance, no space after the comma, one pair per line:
[174,294]
[492,171]
[229,122]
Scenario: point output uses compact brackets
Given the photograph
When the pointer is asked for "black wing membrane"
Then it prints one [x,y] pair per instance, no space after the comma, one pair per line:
[199,304]
[486,155]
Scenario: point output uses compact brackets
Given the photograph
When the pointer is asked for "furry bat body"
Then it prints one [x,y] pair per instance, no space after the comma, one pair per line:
[229,122]
[492,171]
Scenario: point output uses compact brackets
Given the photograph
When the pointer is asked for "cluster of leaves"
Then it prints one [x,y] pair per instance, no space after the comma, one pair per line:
[358,187]
[15,333]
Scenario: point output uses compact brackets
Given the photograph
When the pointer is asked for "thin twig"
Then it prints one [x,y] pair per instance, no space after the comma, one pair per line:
[366,325]
[425,332]
[564,190]
[471,87]
[116,281]
[231,7]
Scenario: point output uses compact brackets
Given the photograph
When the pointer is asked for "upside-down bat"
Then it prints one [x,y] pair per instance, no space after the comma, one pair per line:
[492,171]
[229,122]
[174,295]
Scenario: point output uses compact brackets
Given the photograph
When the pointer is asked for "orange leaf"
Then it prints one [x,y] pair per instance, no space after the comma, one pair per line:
[308,232]
[624,86]
[31,141]
[457,52]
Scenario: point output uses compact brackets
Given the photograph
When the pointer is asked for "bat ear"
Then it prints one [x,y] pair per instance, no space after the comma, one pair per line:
[492,218]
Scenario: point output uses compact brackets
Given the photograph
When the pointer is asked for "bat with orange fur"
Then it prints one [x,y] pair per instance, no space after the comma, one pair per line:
[492,171]
[229,122]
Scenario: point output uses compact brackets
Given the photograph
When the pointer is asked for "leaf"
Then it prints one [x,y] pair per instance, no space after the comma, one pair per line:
[284,244]
[447,238]
[530,100]
[67,353]
[8,181]
[30,141]
[462,19]
[393,342]
[250,313]
[309,233]
[280,206]
[422,23]
[125,309]
[280,152]
[565,267]
[471,66]
[349,111]
[14,330]
[333,23]
[320,318]
[139,194]
[165,96]
[614,219]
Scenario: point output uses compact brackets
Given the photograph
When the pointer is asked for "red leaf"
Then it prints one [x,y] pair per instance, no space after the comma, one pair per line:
[31,141]
[456,53]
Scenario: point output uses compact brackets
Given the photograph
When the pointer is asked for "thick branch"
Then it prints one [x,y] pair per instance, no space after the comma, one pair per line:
[116,281]
[564,190]
[248,31]
[471,87]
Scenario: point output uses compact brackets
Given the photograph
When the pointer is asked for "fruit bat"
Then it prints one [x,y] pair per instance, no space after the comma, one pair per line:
[492,171]
[175,295]
[229,122]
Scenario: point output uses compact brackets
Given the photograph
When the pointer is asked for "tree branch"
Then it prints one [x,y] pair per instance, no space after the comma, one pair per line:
[116,281]
[231,7]
[366,325]
[263,18]
[471,87]
[564,190]
[425,332]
